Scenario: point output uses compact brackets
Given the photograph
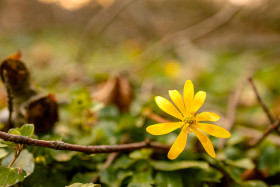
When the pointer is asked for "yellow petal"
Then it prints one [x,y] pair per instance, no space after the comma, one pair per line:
[207,116]
[178,100]
[198,101]
[188,94]
[214,130]
[163,128]
[168,107]
[178,146]
[206,143]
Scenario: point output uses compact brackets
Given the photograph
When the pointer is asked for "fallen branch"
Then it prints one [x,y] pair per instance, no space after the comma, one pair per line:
[57,145]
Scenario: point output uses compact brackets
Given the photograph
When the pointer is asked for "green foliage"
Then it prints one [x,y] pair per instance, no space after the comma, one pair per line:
[85,121]
[25,161]
[27,130]
[178,165]
[269,159]
[169,179]
[114,178]
[10,176]
[84,185]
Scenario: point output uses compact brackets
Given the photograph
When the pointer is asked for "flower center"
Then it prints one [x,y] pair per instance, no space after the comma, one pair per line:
[189,123]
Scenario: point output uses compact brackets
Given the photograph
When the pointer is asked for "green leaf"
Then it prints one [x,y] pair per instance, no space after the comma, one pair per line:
[244,163]
[3,153]
[84,185]
[233,172]
[61,155]
[134,184]
[269,159]
[209,175]
[114,178]
[196,176]
[169,179]
[144,153]
[178,165]
[14,131]
[252,183]
[46,176]
[143,177]
[83,177]
[123,162]
[25,161]
[3,145]
[10,176]
[27,130]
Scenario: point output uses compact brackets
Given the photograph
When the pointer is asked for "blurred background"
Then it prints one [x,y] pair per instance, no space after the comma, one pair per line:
[77,49]
[157,44]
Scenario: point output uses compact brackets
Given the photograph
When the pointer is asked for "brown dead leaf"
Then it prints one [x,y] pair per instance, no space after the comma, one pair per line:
[116,90]
[253,174]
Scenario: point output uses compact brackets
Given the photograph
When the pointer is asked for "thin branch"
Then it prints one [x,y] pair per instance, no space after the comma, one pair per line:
[109,161]
[233,100]
[112,13]
[254,134]
[193,32]
[264,107]
[274,126]
[81,148]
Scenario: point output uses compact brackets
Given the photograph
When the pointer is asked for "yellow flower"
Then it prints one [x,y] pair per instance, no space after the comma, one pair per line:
[190,120]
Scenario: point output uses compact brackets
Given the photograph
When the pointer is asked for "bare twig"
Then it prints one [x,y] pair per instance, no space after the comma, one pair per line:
[272,127]
[110,159]
[193,32]
[234,99]
[264,107]
[108,162]
[111,13]
[254,134]
[231,112]
[81,148]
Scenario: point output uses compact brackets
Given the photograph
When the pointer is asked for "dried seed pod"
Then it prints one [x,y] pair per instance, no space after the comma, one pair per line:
[17,76]
[25,104]
[42,112]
